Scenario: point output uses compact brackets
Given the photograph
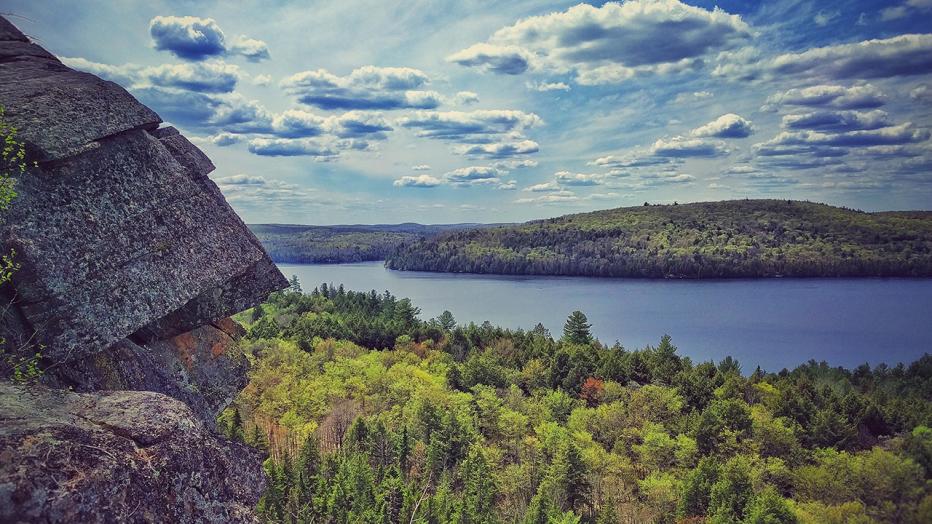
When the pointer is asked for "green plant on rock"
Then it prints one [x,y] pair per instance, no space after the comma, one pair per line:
[12,163]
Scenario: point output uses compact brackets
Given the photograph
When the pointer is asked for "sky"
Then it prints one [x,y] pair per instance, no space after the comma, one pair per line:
[494,111]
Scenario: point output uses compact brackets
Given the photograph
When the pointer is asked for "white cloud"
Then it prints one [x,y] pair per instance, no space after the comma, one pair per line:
[500,150]
[420,167]
[579,179]
[725,126]
[546,187]
[611,43]
[683,98]
[262,80]
[367,87]
[473,175]
[547,86]
[829,96]
[417,181]
[687,147]
[901,55]
[508,59]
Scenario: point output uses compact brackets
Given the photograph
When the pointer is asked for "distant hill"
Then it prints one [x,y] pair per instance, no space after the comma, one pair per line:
[739,238]
[298,244]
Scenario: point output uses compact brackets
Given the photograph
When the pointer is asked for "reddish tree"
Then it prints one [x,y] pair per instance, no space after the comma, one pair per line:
[591,391]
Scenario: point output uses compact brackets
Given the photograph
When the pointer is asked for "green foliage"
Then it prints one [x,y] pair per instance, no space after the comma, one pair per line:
[434,422]
[740,238]
[22,364]
[576,329]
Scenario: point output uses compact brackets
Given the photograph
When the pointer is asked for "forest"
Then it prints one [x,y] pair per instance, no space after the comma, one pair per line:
[297,244]
[369,414]
[739,238]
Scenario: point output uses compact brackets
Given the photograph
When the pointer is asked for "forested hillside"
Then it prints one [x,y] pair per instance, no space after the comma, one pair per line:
[740,238]
[372,415]
[332,244]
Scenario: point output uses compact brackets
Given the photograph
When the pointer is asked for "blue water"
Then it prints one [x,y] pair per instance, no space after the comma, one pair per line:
[774,323]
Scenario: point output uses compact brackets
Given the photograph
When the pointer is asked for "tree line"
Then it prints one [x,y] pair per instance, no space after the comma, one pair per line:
[475,423]
[743,238]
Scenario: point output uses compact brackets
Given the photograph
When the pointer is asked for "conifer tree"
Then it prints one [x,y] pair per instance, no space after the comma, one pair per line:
[576,329]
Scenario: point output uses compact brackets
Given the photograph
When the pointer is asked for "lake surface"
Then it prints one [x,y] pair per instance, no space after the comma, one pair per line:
[773,323]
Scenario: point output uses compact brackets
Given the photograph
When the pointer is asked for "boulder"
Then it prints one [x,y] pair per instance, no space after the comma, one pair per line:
[204,368]
[119,456]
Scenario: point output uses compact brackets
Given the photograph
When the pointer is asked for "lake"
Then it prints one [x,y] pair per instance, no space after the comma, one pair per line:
[774,323]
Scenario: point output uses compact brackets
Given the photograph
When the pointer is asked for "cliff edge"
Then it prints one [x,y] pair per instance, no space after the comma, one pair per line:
[130,263]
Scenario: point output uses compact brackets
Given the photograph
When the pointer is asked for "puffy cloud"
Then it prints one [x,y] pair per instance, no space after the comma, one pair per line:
[500,150]
[251,190]
[578,179]
[187,37]
[181,107]
[828,96]
[682,147]
[522,163]
[262,80]
[473,175]
[465,98]
[633,160]
[250,48]
[420,167]
[725,126]
[509,59]
[357,124]
[297,124]
[417,181]
[836,120]
[921,93]
[193,38]
[543,87]
[367,87]
[471,126]
[221,139]
[546,187]
[901,134]
[209,77]
[290,147]
[126,75]
[557,197]
[901,55]
[610,43]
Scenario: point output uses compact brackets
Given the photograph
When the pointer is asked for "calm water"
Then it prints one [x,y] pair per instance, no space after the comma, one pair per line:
[773,323]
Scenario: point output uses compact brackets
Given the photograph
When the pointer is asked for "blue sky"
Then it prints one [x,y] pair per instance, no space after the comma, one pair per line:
[469,111]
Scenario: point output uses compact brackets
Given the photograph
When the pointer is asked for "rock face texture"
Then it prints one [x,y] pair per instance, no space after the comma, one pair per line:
[131,262]
[122,456]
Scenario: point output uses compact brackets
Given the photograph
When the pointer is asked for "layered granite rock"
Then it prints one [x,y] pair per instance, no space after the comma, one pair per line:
[118,227]
[131,262]
[121,456]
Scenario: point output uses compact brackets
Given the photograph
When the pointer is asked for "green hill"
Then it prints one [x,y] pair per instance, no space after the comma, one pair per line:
[344,243]
[739,238]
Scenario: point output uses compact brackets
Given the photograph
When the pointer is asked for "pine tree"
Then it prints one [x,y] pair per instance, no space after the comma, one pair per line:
[576,329]
[294,285]
[403,451]
[307,469]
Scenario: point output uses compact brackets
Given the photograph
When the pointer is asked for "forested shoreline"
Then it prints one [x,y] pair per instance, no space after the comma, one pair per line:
[740,238]
[297,244]
[371,414]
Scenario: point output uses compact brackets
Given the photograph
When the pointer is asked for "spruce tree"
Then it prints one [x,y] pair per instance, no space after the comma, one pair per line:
[576,329]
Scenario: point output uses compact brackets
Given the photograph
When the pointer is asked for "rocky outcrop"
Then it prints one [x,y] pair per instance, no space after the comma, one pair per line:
[131,262]
[122,456]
